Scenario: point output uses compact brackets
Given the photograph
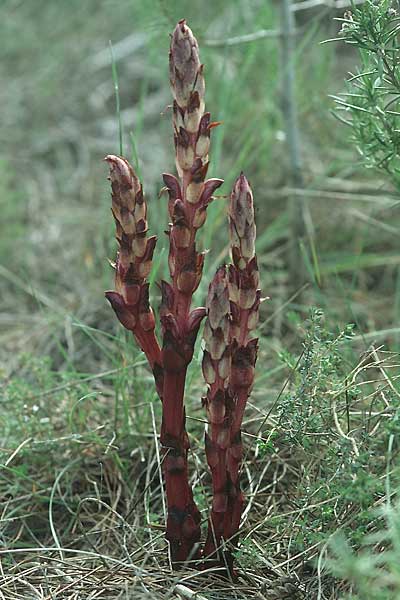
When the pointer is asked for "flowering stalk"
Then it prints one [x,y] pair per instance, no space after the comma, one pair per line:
[189,197]
[219,406]
[130,300]
[244,295]
[232,309]
[228,368]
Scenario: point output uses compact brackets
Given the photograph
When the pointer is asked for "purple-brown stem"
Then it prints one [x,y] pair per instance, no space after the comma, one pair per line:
[189,196]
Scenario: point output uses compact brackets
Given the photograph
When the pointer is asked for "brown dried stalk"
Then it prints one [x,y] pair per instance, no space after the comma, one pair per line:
[228,368]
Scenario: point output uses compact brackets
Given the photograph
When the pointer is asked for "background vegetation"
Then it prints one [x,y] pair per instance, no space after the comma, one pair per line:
[82,511]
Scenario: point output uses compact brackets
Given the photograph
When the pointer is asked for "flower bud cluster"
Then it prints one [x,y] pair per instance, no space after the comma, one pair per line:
[244,277]
[130,300]
[228,368]
[192,126]
[185,263]
[218,403]
[188,199]
[217,354]
[178,338]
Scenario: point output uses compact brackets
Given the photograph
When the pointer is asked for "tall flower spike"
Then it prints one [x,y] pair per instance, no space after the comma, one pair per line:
[188,200]
[190,197]
[243,273]
[219,406]
[244,296]
[187,84]
[130,300]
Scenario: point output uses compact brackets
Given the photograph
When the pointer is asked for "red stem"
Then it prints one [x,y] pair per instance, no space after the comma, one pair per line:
[148,343]
[183,523]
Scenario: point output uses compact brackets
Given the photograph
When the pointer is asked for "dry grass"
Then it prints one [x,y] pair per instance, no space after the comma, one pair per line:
[89,523]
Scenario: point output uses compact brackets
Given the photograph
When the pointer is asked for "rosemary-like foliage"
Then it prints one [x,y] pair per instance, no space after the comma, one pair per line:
[370,106]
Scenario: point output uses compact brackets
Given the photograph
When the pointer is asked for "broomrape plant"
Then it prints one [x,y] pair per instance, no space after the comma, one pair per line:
[231,312]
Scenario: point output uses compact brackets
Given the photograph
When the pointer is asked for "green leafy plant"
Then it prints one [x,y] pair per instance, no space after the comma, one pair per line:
[232,311]
[370,105]
[336,420]
[373,572]
[365,554]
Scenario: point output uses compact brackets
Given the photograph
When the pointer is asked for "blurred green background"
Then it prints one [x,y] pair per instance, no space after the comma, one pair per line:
[59,121]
